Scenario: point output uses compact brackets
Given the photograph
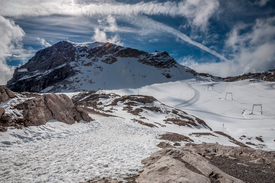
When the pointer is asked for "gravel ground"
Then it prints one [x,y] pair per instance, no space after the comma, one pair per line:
[244,170]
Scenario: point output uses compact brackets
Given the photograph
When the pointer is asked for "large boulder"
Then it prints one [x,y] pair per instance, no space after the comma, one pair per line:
[168,169]
[39,110]
[5,94]
[178,165]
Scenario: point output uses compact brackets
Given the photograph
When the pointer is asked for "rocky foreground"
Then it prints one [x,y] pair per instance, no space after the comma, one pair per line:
[201,163]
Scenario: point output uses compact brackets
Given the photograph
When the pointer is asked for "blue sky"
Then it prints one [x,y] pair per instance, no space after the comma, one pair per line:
[220,37]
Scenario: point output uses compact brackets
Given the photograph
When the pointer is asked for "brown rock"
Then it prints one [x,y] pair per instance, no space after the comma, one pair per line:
[41,109]
[5,94]
[168,169]
[164,145]
[2,111]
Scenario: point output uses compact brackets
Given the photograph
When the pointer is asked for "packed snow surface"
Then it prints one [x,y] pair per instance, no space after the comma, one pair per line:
[57,152]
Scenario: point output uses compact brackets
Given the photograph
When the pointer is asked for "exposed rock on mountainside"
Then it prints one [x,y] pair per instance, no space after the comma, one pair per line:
[38,109]
[265,76]
[90,66]
[49,66]
[139,109]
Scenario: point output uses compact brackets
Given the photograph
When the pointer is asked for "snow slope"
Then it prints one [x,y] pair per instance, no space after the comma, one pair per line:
[206,100]
[124,73]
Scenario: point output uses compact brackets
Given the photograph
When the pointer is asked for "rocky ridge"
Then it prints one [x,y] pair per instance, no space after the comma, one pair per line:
[28,109]
[137,108]
[253,77]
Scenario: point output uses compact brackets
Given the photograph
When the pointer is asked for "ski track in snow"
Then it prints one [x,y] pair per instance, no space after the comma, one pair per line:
[57,152]
[192,100]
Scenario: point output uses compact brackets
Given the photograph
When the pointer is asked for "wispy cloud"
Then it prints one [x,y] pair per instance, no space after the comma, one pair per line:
[10,44]
[261,2]
[150,26]
[197,12]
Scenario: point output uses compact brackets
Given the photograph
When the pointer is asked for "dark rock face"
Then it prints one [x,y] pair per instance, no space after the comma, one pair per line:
[5,94]
[34,84]
[159,60]
[49,66]
[39,110]
[51,57]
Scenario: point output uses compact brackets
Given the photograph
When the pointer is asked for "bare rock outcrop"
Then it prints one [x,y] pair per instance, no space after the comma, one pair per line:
[5,94]
[41,109]
[37,111]
[179,165]
[169,169]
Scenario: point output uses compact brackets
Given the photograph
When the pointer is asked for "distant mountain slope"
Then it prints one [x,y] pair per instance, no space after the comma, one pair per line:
[265,76]
[68,66]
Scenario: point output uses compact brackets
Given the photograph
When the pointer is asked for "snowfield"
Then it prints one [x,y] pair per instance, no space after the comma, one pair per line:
[57,152]
[114,146]
[206,100]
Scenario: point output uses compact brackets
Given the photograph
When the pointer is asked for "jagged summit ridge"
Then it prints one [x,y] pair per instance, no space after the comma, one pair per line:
[67,66]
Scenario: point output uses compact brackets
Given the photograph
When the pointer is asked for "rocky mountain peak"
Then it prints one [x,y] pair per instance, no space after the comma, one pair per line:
[64,63]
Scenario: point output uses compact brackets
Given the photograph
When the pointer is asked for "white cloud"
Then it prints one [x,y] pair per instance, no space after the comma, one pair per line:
[10,39]
[253,51]
[43,42]
[109,25]
[100,36]
[223,69]
[197,12]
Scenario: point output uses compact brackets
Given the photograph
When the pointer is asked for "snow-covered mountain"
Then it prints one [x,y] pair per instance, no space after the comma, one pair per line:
[68,66]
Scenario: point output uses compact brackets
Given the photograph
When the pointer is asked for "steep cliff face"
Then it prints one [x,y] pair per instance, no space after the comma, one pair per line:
[48,66]
[68,66]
